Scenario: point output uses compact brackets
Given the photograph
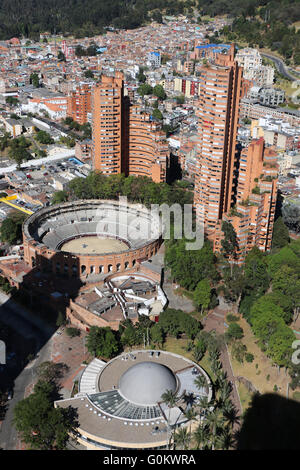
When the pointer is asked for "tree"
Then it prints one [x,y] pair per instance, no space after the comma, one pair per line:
[34,79]
[182,438]
[280,234]
[202,294]
[234,283]
[61,319]
[44,138]
[176,322]
[199,350]
[286,284]
[291,216]
[59,197]
[51,371]
[238,351]
[89,74]
[267,303]
[157,334]
[129,335]
[68,141]
[102,342]
[42,426]
[80,51]
[229,243]
[11,100]
[280,346]
[256,279]
[11,228]
[225,440]
[180,99]
[141,77]
[200,381]
[234,332]
[170,399]
[159,91]
[145,89]
[72,332]
[201,436]
[157,16]
[61,56]
[156,113]
[215,421]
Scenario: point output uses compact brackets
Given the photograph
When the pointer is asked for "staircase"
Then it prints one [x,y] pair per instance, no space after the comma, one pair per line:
[88,381]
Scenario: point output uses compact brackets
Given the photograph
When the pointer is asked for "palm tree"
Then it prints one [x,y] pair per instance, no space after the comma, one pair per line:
[191,415]
[216,367]
[204,405]
[200,381]
[182,438]
[215,421]
[201,436]
[225,440]
[169,398]
[231,416]
[225,391]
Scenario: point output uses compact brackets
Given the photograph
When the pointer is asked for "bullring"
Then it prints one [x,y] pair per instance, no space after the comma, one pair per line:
[82,239]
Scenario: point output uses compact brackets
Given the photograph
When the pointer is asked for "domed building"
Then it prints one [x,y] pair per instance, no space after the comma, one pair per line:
[144,383]
[120,404]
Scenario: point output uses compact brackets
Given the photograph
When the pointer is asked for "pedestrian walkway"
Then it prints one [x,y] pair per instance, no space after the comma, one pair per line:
[216,321]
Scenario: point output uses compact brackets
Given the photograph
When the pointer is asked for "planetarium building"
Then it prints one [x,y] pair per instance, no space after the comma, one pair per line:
[120,404]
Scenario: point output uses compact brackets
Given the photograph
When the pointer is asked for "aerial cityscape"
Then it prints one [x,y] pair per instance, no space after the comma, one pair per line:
[149,225]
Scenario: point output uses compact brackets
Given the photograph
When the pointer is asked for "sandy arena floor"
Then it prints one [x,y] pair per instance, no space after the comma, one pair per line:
[89,245]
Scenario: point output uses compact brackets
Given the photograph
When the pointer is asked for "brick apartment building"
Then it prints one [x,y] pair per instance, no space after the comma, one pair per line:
[125,139]
[218,112]
[240,188]
[253,214]
[79,104]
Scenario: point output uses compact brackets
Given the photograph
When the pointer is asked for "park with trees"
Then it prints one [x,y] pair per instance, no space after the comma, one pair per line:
[265,290]
[136,188]
[40,424]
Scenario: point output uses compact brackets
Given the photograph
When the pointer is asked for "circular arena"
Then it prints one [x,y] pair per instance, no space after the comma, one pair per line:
[86,238]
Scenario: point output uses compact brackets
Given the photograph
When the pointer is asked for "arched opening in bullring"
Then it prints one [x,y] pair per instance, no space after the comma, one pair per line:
[133,262]
[101,269]
[127,265]
[118,267]
[92,270]
[110,268]
[83,269]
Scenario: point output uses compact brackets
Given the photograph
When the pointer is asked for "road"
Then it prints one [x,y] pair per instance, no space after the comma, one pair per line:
[280,65]
[31,328]
[8,434]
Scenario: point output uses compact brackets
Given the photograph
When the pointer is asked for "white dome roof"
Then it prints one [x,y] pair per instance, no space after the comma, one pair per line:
[145,382]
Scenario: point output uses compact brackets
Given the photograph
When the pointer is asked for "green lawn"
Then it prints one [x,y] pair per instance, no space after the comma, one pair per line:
[245,396]
[296,396]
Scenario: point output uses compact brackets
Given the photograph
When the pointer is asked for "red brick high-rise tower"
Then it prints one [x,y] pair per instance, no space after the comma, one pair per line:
[240,188]
[108,105]
[79,104]
[125,139]
[218,112]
